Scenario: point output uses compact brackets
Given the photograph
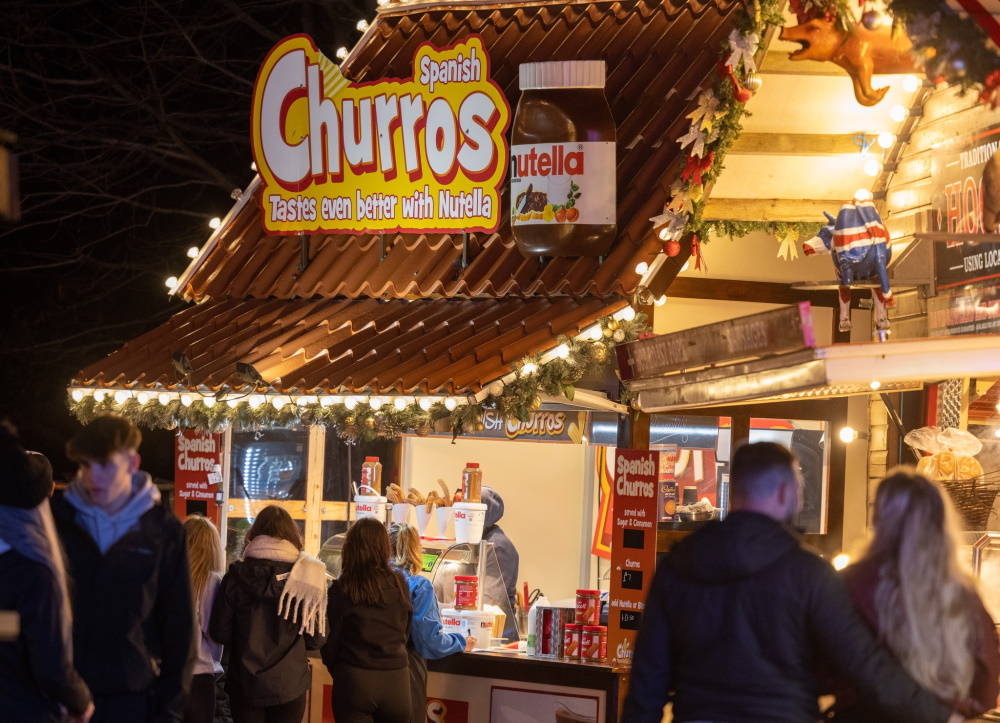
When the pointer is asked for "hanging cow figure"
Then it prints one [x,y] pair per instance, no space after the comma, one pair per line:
[860,246]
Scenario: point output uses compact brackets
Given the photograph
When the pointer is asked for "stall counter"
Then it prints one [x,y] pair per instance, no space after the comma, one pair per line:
[494,686]
[483,687]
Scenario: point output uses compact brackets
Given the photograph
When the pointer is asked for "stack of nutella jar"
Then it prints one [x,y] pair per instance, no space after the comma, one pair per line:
[585,638]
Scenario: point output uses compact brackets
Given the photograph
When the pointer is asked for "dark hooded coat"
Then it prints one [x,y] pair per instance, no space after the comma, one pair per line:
[736,620]
[507,557]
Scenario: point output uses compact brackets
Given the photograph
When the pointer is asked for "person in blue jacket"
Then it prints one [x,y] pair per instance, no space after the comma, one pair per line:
[428,641]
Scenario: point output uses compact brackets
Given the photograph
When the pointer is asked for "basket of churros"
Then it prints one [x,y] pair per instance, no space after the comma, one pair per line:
[950,459]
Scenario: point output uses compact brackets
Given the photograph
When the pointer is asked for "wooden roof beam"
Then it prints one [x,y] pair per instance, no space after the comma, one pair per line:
[795,144]
[777,62]
[768,209]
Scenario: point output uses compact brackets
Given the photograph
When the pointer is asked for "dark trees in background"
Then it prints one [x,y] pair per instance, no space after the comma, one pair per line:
[133,122]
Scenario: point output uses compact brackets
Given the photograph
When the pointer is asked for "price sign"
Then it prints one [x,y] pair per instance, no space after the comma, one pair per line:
[633,546]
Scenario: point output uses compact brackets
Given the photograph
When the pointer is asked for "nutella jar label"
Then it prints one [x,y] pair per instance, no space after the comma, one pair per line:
[562,183]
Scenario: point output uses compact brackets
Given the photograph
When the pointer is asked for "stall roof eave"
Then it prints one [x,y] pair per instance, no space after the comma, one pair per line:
[824,372]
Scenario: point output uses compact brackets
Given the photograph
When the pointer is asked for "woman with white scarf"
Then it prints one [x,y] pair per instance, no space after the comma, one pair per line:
[38,682]
[270,609]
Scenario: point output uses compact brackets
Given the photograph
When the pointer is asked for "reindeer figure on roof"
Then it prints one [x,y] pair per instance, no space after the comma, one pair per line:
[859,243]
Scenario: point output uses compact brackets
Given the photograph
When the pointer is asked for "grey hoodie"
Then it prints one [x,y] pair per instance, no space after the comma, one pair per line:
[107,529]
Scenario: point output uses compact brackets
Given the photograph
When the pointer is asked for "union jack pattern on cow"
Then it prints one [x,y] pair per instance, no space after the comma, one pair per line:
[857,229]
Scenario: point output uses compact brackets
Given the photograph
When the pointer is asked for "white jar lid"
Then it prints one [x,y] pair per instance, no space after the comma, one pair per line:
[562,74]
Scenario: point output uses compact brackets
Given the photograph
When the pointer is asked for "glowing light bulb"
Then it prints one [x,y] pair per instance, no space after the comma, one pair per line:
[686,266]
[561,351]
[99,395]
[351,402]
[841,561]
[215,222]
[910,83]
[193,252]
[399,403]
[872,167]
[661,301]
[233,403]
[898,113]
[450,403]
[375,402]
[862,194]
[142,398]
[641,268]
[163,398]
[208,400]
[876,384]
[529,368]
[596,333]
[280,401]
[256,401]
[362,26]
[326,402]
[997,433]
[886,139]
[253,166]
[425,403]
[121,397]
[628,313]
[77,395]
[847,435]
[171,282]
[186,400]
[341,53]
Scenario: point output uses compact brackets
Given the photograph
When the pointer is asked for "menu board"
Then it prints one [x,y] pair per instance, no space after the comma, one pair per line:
[197,474]
[633,547]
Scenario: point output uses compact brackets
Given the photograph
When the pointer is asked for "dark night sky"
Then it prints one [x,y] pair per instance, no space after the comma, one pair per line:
[133,127]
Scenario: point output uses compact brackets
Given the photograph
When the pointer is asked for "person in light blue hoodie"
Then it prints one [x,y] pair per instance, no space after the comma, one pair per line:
[428,641]
[134,629]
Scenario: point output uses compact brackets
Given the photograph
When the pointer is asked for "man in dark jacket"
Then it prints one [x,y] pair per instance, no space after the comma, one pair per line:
[739,614]
[507,558]
[133,619]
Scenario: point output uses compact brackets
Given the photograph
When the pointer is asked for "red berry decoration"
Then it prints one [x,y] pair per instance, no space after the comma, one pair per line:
[672,247]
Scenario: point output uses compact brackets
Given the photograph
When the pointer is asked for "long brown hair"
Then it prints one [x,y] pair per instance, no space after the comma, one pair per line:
[365,563]
[274,521]
[923,593]
[406,548]
[204,553]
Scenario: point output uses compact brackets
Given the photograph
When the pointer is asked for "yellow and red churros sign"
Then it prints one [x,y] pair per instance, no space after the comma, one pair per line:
[425,154]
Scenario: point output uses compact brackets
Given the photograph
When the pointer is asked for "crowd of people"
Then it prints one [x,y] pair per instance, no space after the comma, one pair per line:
[123,613]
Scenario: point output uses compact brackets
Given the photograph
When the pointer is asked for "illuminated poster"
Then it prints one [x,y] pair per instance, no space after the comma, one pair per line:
[422,154]
[965,176]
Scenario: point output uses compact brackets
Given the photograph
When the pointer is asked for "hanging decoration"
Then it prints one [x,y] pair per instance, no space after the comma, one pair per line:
[358,418]
[788,249]
[715,125]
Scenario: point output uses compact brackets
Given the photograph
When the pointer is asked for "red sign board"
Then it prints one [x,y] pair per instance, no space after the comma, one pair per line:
[442,710]
[197,474]
[633,547]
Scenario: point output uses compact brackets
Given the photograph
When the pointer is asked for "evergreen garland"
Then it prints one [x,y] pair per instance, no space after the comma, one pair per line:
[513,400]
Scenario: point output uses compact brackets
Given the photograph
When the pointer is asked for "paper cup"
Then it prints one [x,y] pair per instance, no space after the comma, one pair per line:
[401,512]
[425,521]
[369,506]
[470,518]
[446,522]
[479,624]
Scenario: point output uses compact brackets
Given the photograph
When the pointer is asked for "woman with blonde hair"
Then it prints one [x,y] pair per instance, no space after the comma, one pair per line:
[206,562]
[428,640]
[914,593]
[270,609]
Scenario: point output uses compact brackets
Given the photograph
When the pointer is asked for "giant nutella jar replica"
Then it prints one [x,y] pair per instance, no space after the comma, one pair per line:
[562,171]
